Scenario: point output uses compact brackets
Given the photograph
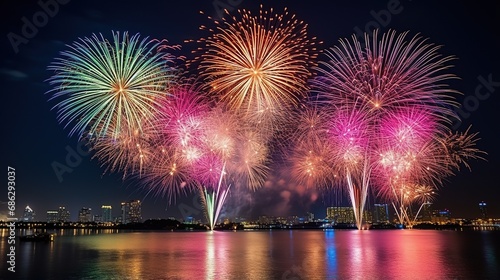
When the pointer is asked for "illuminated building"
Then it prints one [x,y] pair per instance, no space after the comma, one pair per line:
[483,209]
[340,215]
[426,213]
[380,214]
[63,214]
[292,220]
[367,216]
[52,216]
[106,213]
[131,211]
[28,214]
[441,216]
[85,215]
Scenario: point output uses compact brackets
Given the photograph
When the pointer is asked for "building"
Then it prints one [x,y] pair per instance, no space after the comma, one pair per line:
[106,214]
[483,209]
[426,213]
[52,216]
[367,217]
[380,214]
[63,214]
[28,214]
[441,216]
[340,215]
[85,215]
[309,217]
[131,211]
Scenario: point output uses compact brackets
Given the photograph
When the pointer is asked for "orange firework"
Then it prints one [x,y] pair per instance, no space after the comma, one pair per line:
[258,63]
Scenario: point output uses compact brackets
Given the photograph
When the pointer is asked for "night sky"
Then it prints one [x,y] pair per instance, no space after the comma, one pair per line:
[33,140]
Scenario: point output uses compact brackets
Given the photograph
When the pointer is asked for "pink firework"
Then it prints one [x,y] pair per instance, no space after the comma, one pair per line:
[208,169]
[180,117]
[387,74]
[350,135]
[407,128]
[390,117]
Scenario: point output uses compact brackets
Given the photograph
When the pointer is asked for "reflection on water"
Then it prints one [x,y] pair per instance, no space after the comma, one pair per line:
[375,254]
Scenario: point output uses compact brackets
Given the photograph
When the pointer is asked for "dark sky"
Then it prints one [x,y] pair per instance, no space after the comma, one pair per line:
[32,139]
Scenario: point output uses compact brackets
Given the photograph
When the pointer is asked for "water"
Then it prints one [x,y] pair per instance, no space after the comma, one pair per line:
[300,254]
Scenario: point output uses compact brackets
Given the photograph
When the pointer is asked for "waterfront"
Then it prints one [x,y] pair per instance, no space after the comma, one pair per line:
[283,254]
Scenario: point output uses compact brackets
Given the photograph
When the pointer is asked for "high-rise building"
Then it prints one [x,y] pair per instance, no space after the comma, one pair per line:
[380,214]
[28,214]
[131,211]
[367,216]
[483,209]
[64,215]
[85,215]
[52,216]
[426,211]
[106,213]
[340,215]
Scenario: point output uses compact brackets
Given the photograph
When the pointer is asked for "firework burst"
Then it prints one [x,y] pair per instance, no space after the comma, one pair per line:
[387,74]
[390,117]
[258,63]
[129,152]
[106,87]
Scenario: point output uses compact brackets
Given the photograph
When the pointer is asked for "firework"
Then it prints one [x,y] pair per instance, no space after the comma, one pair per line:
[390,117]
[258,64]
[180,120]
[169,174]
[128,152]
[248,166]
[460,147]
[387,75]
[105,88]
[311,156]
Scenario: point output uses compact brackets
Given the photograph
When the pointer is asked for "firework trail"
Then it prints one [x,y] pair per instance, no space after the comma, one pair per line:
[106,88]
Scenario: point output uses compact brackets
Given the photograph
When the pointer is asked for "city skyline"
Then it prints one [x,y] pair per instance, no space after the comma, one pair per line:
[378,213]
[80,179]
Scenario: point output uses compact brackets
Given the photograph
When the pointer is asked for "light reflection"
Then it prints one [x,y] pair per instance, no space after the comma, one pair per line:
[331,254]
[339,254]
[210,256]
[489,254]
